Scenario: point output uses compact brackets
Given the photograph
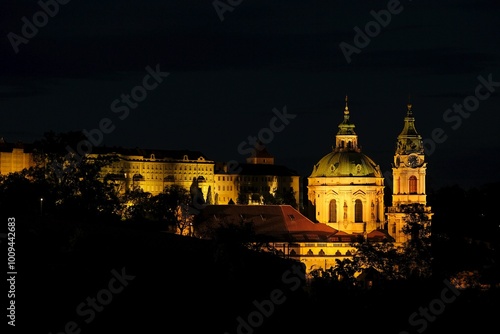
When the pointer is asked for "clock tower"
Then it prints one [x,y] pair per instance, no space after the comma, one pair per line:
[408,174]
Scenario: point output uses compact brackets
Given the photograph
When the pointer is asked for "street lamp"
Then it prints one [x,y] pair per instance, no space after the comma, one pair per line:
[41,206]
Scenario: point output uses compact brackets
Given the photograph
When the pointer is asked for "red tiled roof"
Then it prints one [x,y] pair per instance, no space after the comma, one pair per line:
[378,235]
[281,222]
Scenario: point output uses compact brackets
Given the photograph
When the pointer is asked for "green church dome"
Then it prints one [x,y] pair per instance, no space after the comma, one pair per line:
[346,163]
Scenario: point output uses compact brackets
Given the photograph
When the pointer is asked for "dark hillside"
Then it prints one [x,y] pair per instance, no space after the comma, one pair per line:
[177,281]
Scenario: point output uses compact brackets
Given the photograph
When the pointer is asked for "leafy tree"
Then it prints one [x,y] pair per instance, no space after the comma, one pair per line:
[197,200]
[417,249]
[169,202]
[242,198]
[184,220]
[20,195]
[412,259]
[138,205]
[285,197]
[384,257]
[80,188]
[71,186]
[209,196]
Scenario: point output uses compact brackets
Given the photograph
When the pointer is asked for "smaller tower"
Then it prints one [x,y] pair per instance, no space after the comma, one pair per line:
[408,174]
[346,139]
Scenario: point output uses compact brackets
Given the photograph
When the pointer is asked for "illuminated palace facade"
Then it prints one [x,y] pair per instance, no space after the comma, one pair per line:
[152,170]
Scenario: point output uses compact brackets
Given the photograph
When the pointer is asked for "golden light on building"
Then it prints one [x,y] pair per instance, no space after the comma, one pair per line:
[14,157]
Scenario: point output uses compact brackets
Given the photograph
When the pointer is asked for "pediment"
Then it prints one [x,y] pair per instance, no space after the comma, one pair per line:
[359,192]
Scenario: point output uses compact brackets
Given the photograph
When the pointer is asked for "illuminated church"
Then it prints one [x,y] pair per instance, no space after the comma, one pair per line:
[345,195]
[346,187]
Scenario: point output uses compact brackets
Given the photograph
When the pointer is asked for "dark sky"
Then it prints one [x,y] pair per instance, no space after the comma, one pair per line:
[226,77]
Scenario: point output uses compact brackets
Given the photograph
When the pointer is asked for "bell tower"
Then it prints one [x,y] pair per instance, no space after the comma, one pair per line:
[408,176]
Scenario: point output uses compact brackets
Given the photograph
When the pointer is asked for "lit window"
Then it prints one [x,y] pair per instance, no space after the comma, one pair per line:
[413,184]
[358,211]
[333,211]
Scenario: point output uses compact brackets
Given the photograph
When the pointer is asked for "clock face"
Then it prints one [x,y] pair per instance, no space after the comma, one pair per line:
[413,161]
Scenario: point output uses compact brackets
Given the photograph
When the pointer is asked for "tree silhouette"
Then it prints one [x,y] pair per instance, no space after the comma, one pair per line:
[209,195]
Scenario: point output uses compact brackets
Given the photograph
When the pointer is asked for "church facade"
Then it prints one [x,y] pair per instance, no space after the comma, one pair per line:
[346,187]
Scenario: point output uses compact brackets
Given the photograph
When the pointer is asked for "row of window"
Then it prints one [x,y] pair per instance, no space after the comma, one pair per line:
[229,188]
[167,167]
[255,178]
[322,252]
[358,211]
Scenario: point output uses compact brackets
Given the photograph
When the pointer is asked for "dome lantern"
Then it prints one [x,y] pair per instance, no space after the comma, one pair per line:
[346,139]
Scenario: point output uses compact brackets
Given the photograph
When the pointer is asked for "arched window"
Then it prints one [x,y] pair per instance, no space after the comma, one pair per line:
[413,184]
[333,211]
[358,211]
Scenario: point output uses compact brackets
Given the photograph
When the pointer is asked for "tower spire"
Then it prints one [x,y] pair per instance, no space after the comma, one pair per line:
[409,140]
[346,139]
[409,105]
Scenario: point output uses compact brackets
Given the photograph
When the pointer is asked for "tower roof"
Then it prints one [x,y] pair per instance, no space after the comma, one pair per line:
[409,141]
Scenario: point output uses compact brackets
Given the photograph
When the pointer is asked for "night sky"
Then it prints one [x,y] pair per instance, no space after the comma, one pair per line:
[226,76]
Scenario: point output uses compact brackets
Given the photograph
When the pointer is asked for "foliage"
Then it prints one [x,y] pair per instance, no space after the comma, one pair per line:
[242,198]
[68,184]
[137,205]
[411,260]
